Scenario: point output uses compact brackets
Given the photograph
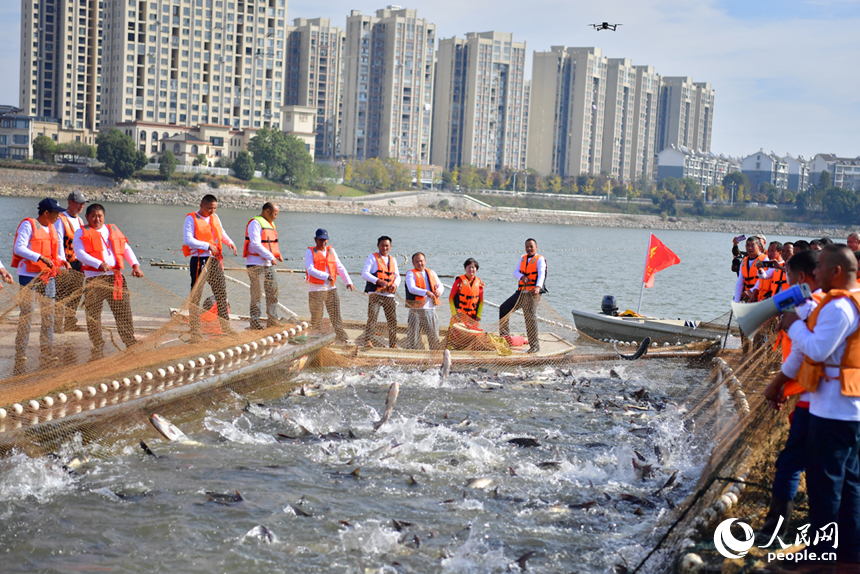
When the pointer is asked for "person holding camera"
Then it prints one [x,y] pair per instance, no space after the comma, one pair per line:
[748,275]
[767,270]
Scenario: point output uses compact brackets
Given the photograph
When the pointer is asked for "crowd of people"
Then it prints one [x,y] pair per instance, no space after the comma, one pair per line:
[820,344]
[69,260]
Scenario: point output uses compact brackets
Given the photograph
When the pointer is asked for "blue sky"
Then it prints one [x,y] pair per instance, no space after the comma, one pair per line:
[785,73]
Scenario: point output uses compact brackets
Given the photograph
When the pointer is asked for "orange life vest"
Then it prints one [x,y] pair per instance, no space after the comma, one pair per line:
[324,261]
[210,232]
[469,296]
[69,235]
[268,237]
[750,272]
[414,301]
[95,247]
[792,387]
[383,271]
[45,243]
[529,270]
[810,372]
[209,322]
[778,282]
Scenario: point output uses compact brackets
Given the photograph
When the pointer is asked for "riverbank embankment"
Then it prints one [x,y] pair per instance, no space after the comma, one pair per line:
[427,204]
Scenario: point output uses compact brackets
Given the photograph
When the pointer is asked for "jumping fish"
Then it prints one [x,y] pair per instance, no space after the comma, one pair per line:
[170,431]
[643,348]
[446,366]
[480,483]
[393,390]
[641,470]
[222,498]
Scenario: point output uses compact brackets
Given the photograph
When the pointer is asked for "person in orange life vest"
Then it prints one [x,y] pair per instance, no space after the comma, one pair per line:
[792,460]
[103,252]
[853,241]
[467,296]
[749,272]
[423,290]
[382,278]
[38,255]
[204,238]
[830,343]
[262,253]
[531,275]
[766,270]
[70,285]
[322,266]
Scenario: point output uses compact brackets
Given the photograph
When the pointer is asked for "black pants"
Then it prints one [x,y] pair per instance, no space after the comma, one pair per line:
[527,301]
[215,278]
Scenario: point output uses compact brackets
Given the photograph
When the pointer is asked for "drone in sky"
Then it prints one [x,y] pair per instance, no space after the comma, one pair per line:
[604,26]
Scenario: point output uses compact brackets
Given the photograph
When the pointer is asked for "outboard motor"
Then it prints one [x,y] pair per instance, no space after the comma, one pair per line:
[608,307]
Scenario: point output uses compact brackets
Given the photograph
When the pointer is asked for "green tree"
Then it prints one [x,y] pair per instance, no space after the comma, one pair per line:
[298,164]
[468,177]
[376,174]
[824,181]
[119,154]
[167,165]
[77,149]
[841,205]
[398,174]
[244,166]
[44,148]
[447,180]
[699,205]
[201,159]
[667,204]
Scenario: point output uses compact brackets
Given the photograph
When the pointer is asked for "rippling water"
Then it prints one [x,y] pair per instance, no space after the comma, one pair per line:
[575,499]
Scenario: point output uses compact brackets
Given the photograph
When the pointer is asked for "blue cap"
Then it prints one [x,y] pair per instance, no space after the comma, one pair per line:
[49,204]
[321,234]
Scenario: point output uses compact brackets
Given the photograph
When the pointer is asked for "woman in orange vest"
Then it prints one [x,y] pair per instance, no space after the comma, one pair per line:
[38,256]
[531,275]
[467,296]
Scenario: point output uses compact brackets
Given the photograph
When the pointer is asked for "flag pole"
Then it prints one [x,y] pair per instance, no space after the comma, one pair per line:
[642,290]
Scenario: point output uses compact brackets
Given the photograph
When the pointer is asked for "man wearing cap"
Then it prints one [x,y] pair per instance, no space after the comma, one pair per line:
[204,238]
[322,266]
[38,255]
[103,250]
[261,253]
[70,285]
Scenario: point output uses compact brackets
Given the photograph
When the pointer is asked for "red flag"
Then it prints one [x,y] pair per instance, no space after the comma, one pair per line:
[659,257]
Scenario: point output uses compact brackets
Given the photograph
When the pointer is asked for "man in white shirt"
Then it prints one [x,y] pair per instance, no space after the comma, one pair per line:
[830,370]
[322,266]
[530,274]
[38,255]
[423,290]
[70,285]
[382,277]
[103,250]
[204,238]
[261,254]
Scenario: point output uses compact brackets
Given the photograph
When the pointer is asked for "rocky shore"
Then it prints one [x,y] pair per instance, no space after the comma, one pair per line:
[35,184]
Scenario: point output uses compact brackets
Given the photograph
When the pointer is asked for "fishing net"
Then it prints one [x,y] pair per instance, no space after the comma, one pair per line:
[121,351]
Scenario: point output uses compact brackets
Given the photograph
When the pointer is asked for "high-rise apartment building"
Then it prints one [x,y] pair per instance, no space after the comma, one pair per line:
[388,86]
[315,51]
[685,114]
[618,119]
[61,61]
[479,115]
[566,111]
[644,123]
[704,116]
[193,62]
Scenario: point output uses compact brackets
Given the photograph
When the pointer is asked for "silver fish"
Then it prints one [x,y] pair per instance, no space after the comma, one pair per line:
[393,391]
[446,366]
[170,430]
[479,483]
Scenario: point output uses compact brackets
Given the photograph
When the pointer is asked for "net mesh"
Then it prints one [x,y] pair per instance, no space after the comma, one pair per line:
[186,352]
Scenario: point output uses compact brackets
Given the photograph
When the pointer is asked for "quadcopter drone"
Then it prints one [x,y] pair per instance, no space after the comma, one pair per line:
[604,26]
